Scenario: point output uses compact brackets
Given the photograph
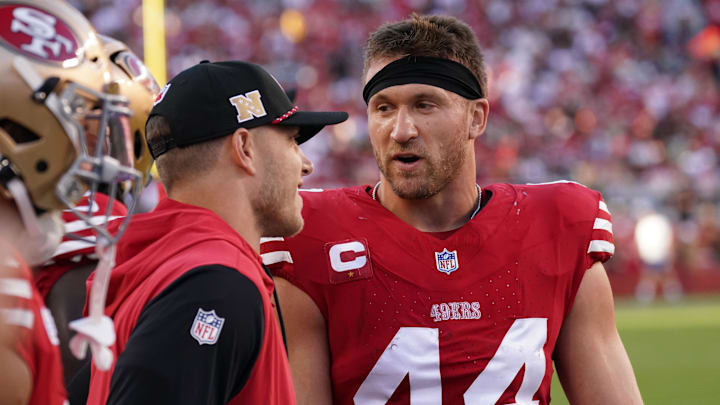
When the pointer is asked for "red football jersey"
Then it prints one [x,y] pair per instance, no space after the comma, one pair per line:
[38,341]
[416,318]
[72,253]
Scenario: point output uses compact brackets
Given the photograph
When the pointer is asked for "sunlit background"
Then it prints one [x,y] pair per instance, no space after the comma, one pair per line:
[620,95]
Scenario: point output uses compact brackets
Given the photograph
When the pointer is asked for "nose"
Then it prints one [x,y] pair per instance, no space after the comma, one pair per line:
[404,128]
[307,166]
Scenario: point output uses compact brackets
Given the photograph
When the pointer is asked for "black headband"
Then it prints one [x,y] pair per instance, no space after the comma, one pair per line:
[438,72]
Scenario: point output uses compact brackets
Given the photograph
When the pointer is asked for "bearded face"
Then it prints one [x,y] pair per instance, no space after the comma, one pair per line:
[419,135]
[414,172]
[277,204]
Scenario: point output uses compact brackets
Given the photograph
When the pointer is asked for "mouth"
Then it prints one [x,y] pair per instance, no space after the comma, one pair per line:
[406,160]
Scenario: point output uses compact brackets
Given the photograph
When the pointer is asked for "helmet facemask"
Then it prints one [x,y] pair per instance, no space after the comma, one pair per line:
[98,125]
[139,86]
[65,133]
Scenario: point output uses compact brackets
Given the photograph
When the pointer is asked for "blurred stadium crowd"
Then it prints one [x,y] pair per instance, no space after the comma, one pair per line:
[620,95]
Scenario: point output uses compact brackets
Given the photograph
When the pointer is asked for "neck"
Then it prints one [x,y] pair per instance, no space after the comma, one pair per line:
[231,204]
[447,210]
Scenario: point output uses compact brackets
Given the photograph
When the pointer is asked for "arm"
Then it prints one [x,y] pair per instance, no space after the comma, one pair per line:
[15,379]
[307,345]
[15,375]
[590,358]
[164,364]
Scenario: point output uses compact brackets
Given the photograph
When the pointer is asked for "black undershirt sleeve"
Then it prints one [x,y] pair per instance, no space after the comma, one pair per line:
[164,364]
[79,385]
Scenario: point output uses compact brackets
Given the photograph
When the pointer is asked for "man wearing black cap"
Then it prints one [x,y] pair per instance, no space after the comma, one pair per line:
[192,304]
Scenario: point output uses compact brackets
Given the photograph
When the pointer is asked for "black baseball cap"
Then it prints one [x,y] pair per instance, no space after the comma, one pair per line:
[211,100]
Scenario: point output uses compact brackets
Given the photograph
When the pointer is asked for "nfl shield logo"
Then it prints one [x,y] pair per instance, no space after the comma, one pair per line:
[206,327]
[446,261]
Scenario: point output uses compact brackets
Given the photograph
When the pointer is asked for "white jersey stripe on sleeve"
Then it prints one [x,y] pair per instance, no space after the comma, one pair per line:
[73,245]
[603,224]
[86,208]
[81,225]
[16,287]
[547,183]
[603,206]
[276,257]
[18,317]
[601,246]
[273,239]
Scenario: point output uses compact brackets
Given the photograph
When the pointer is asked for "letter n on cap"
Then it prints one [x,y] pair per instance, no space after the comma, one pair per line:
[248,106]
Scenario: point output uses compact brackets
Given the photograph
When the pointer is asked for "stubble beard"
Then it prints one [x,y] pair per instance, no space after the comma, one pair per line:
[425,183]
[275,206]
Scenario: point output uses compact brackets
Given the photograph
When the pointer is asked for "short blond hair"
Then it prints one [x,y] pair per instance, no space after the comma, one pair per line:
[421,35]
[182,163]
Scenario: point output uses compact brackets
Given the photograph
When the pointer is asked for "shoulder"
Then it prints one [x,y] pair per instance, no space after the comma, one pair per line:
[567,208]
[330,214]
[331,217]
[213,282]
[317,199]
[230,253]
[568,200]
[74,249]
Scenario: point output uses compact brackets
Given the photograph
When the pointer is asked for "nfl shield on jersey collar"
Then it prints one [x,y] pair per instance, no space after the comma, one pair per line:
[423,247]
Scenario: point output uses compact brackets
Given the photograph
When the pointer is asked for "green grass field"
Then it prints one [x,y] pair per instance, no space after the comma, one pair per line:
[674,349]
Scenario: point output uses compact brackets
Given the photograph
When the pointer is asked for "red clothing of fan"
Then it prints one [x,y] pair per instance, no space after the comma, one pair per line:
[157,249]
[473,316]
[38,342]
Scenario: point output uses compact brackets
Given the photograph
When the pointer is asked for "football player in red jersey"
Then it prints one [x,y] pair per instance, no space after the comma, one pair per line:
[427,289]
[61,280]
[55,81]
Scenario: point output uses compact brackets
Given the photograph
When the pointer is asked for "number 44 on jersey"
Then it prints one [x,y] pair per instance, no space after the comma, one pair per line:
[415,352]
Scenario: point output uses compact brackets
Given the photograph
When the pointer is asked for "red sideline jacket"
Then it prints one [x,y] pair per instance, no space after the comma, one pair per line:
[157,249]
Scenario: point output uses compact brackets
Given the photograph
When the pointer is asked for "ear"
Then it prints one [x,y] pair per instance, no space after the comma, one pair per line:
[243,150]
[479,110]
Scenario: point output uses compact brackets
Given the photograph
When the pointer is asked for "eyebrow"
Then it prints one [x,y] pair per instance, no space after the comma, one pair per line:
[379,98]
[429,95]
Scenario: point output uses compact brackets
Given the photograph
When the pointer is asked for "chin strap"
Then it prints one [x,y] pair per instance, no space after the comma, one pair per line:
[97,329]
[24,206]
[43,233]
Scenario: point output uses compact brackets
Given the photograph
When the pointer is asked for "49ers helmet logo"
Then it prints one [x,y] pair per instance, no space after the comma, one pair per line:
[33,32]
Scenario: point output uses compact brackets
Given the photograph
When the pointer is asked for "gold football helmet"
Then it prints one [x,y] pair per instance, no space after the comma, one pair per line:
[140,88]
[65,131]
[64,127]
